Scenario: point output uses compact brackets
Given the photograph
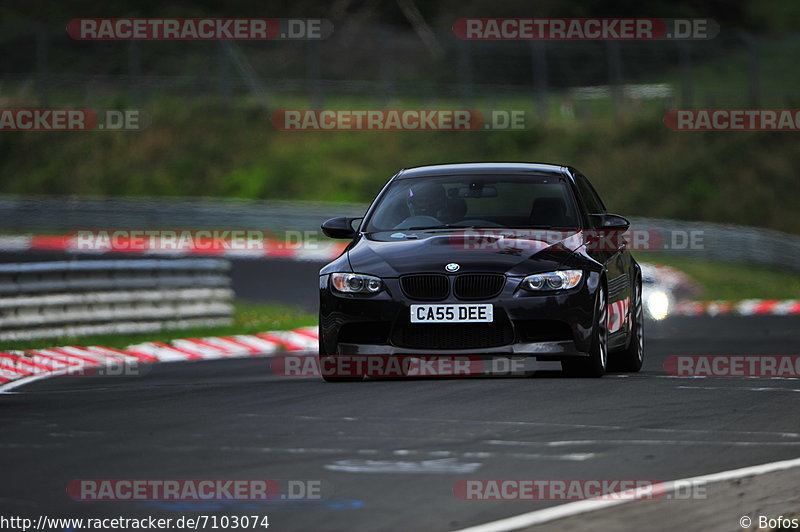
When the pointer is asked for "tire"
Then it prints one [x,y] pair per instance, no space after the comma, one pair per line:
[595,364]
[323,355]
[631,358]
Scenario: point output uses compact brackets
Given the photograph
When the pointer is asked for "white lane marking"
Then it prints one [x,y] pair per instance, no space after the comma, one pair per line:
[444,466]
[7,387]
[11,385]
[711,377]
[565,443]
[478,454]
[439,453]
[287,450]
[536,424]
[569,457]
[762,389]
[570,509]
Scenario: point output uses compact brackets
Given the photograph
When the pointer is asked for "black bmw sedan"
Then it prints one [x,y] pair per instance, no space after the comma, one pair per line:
[488,260]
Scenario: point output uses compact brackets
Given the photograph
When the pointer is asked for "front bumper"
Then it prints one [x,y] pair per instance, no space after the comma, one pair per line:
[542,350]
[369,324]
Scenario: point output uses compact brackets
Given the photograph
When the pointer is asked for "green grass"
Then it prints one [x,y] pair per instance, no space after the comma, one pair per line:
[730,281]
[249,318]
[198,147]
[639,167]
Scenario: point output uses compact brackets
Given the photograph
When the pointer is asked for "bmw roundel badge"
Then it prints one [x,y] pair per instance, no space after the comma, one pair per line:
[452,267]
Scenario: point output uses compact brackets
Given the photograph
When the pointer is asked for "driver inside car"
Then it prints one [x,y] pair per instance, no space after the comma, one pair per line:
[426,199]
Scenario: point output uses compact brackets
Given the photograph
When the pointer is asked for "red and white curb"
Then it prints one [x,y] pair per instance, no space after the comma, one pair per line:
[745,307]
[34,364]
[276,249]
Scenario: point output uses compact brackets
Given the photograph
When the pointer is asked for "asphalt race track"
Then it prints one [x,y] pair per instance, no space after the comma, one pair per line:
[387,453]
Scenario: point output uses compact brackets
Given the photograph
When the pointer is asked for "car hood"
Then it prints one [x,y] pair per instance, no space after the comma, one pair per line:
[391,254]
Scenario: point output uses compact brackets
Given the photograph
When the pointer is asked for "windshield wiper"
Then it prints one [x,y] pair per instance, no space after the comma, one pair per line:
[427,227]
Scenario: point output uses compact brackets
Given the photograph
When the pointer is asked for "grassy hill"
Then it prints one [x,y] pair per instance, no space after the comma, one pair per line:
[639,166]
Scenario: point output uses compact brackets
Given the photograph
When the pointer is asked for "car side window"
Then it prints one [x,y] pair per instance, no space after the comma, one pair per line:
[590,198]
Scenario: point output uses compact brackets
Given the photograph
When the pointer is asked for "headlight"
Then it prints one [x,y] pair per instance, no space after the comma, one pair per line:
[657,304]
[356,283]
[558,280]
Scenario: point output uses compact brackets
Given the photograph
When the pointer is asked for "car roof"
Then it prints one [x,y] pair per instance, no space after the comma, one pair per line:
[484,168]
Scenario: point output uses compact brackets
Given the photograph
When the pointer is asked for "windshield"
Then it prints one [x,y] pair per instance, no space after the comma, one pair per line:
[475,201]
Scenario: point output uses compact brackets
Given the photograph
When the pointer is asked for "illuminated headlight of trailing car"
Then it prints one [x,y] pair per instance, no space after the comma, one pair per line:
[658,305]
[558,280]
[356,283]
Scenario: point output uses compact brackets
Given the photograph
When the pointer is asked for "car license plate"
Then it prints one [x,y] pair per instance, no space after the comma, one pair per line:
[451,313]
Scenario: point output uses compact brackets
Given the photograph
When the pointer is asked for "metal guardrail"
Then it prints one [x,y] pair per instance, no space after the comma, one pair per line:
[730,243]
[48,213]
[60,298]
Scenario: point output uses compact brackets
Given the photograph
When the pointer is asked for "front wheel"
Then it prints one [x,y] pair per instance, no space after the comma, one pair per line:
[595,364]
[631,358]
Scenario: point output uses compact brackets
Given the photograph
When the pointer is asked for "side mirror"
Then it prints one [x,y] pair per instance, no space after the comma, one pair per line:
[610,222]
[341,227]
